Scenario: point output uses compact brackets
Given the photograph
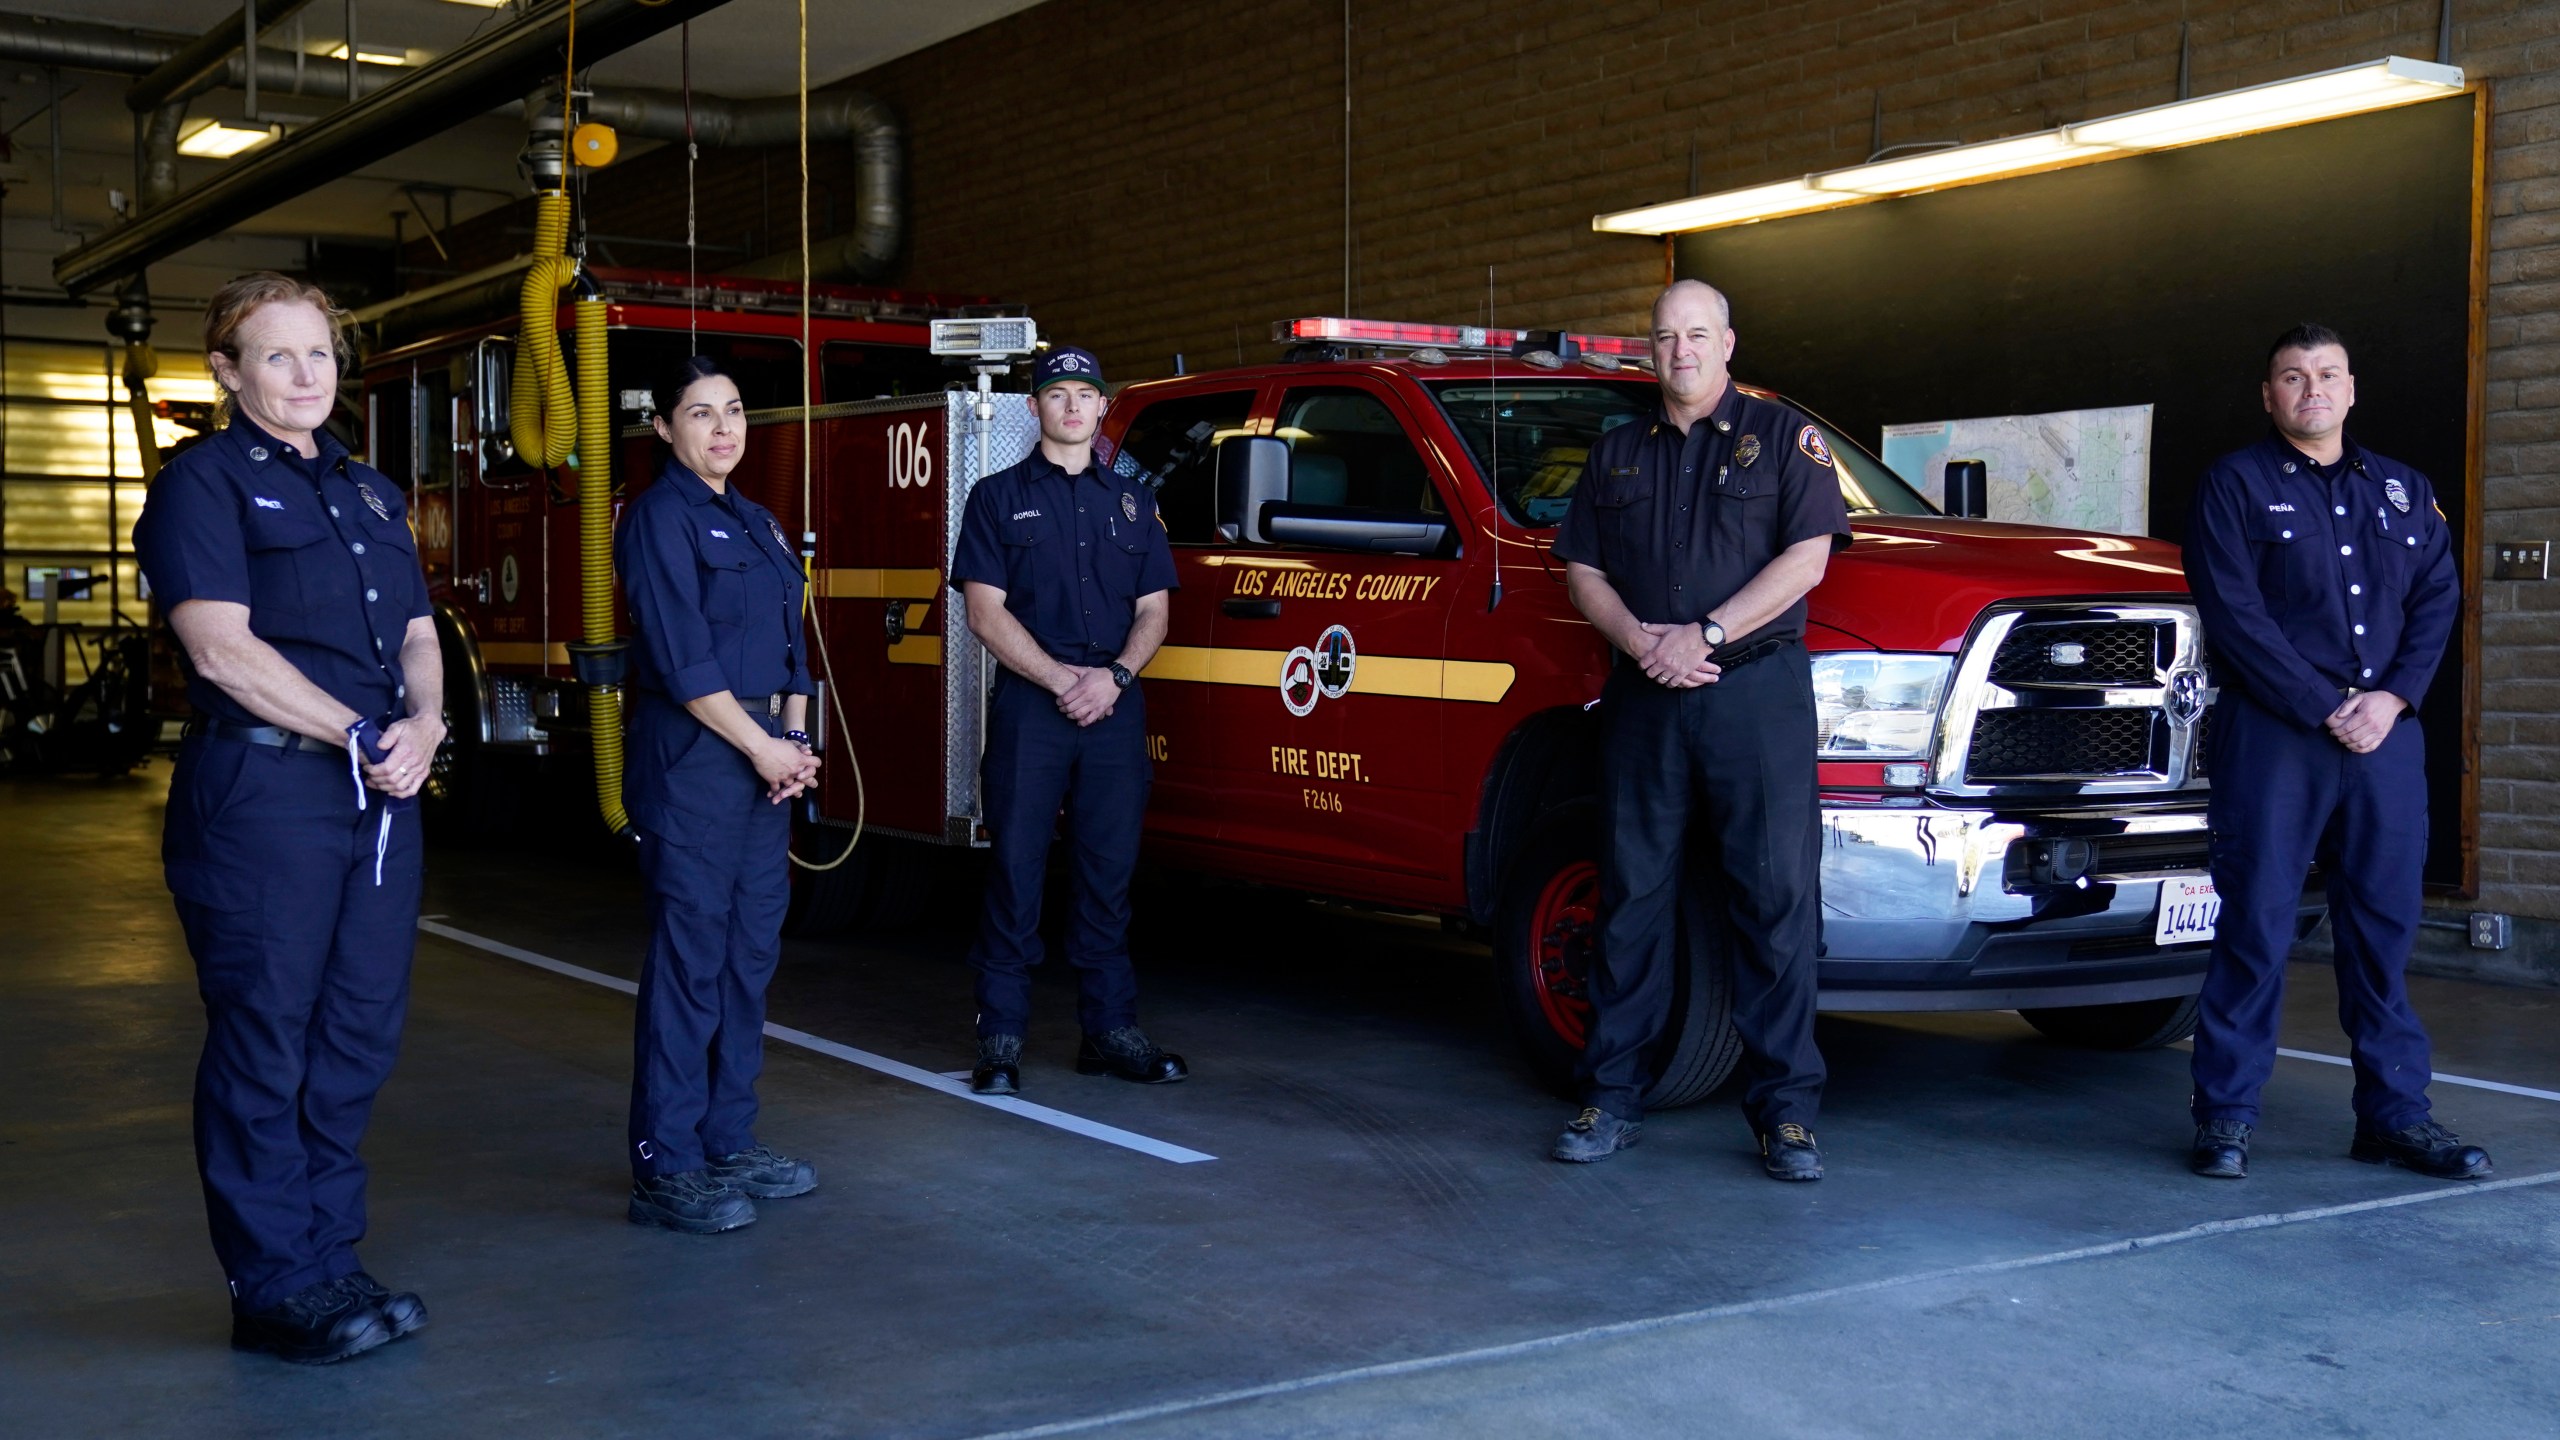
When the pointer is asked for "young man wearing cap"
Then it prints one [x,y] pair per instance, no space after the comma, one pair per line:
[1067,577]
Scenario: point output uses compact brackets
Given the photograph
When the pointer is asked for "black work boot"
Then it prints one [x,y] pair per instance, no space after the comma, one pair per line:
[403,1311]
[2221,1151]
[1788,1153]
[999,1069]
[1595,1134]
[690,1201]
[316,1325]
[2426,1147]
[1129,1054]
[765,1173]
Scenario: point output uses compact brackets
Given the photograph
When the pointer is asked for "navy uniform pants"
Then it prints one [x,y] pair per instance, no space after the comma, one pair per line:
[1039,762]
[2283,797]
[303,963]
[1724,772]
[716,856]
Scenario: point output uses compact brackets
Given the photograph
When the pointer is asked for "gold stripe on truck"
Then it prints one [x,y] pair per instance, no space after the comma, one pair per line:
[524,652]
[1482,682]
[880,584]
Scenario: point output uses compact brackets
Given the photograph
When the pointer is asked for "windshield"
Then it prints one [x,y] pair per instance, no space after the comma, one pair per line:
[1539,433]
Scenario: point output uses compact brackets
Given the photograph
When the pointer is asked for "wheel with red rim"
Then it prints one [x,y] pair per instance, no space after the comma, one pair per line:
[1547,940]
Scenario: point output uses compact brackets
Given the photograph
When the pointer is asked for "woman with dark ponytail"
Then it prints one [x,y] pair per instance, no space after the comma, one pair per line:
[718,743]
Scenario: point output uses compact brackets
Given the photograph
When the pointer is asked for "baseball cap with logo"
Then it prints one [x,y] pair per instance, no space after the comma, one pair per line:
[1067,362]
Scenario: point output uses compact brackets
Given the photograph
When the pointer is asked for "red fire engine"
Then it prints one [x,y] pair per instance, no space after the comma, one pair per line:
[1376,689]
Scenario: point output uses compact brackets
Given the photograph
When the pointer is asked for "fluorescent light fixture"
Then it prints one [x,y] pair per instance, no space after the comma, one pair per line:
[485,4]
[213,140]
[2328,95]
[375,57]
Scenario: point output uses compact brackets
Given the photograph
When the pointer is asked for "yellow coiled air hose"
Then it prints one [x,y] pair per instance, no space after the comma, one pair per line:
[541,409]
[595,550]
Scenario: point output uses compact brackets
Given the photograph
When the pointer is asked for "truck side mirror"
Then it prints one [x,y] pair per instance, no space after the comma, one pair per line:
[1967,482]
[1253,471]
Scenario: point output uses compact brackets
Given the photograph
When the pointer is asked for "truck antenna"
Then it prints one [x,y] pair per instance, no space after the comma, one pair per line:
[1493,440]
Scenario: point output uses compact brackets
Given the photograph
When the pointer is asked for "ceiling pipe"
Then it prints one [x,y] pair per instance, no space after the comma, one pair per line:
[481,74]
[205,62]
[77,45]
[866,252]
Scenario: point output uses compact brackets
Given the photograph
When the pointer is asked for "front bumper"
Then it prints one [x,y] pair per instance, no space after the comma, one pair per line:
[1930,907]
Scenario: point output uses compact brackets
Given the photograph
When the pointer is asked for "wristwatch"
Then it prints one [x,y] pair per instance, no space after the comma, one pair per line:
[1122,676]
[1713,632]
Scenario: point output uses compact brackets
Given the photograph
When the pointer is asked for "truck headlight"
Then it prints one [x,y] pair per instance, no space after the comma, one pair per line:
[1871,705]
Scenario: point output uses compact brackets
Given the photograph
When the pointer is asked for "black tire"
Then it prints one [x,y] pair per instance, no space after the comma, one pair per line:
[2133,1025]
[1544,936]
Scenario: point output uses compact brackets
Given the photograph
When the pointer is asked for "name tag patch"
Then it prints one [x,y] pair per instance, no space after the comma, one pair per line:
[2283,509]
[719,534]
[266,504]
[1026,514]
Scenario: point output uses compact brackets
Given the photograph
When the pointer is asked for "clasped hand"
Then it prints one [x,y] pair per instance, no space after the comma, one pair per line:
[2365,721]
[1677,656]
[786,767]
[409,752]
[1089,696]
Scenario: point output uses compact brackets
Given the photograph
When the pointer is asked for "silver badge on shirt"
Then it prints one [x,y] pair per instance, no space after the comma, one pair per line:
[374,503]
[1129,506]
[2396,493]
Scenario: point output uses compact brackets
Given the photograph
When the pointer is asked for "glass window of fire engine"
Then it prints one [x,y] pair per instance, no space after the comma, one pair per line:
[1535,435]
[767,368]
[1348,451]
[851,371]
[1178,439]
[435,427]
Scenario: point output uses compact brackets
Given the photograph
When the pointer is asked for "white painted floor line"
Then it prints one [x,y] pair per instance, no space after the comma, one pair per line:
[912,1074]
[1516,1349]
[2439,1077]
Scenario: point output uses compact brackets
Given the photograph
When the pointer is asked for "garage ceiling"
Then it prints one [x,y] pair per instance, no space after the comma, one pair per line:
[734,53]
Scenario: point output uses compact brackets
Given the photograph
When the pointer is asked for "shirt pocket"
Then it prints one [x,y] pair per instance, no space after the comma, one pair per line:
[726,567]
[1623,503]
[1746,522]
[2396,540]
[2283,558]
[287,553]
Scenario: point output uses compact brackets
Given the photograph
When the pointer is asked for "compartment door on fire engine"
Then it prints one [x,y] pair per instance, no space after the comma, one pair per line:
[1329,730]
[1177,438]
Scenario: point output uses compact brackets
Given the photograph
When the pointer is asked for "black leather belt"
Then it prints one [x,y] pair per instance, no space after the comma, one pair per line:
[771,705]
[290,741]
[1735,659]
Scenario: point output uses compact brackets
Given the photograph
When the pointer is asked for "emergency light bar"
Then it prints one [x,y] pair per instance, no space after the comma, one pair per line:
[1399,334]
[1003,339]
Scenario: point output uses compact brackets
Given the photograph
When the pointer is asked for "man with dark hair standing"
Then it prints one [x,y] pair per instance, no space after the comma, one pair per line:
[1690,545]
[1067,578]
[2324,575]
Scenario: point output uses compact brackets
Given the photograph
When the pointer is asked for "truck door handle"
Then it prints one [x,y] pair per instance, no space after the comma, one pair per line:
[1251,609]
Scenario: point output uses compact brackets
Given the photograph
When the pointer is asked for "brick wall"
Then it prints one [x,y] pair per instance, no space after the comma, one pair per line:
[1170,178]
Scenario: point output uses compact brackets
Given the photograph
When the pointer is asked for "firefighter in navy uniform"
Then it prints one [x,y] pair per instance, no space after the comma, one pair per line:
[1690,543]
[718,743]
[289,575]
[2324,575]
[1066,574]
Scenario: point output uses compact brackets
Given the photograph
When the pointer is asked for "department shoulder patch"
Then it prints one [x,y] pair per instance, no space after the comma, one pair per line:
[1809,440]
[1746,450]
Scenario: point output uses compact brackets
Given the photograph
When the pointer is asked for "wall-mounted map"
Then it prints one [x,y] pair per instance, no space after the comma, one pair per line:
[2076,469]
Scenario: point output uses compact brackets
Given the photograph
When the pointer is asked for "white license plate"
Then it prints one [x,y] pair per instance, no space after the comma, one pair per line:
[2188,909]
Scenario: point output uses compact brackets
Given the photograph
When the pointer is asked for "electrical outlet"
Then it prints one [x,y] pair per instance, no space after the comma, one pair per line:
[2489,931]
[2522,560]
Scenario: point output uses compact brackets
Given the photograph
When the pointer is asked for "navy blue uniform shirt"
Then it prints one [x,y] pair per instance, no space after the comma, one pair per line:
[714,588]
[1680,522]
[1072,553]
[319,550]
[2312,580]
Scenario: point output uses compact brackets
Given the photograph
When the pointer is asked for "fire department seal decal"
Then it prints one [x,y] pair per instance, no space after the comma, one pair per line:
[1746,451]
[1809,440]
[1129,506]
[2396,493]
[1298,689]
[381,511]
[1335,660]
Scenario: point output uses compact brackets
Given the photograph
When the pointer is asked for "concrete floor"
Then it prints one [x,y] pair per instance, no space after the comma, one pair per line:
[1379,1247]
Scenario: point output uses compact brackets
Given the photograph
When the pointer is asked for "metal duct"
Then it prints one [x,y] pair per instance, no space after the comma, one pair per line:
[199,65]
[866,252]
[75,45]
[159,180]
[481,74]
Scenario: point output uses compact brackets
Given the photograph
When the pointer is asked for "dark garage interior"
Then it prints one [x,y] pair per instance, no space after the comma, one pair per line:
[578,617]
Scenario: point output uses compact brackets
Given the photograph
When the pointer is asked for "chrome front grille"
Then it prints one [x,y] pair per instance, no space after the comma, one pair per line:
[2077,698]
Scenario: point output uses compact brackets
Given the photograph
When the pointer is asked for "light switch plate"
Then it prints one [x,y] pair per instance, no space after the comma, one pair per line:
[2521,560]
